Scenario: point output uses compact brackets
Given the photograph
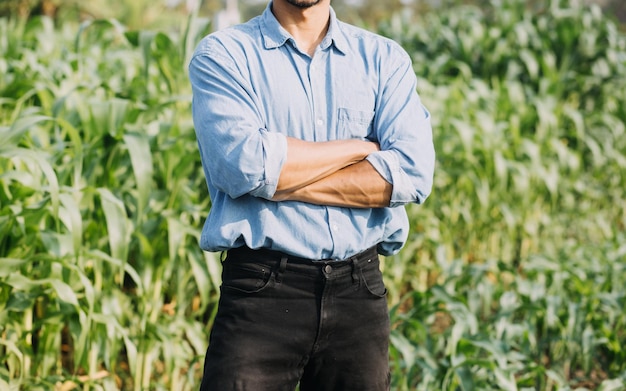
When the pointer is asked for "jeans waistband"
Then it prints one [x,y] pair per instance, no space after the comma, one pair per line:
[267,254]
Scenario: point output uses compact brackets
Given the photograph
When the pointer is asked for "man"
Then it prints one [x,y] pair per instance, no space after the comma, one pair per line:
[312,138]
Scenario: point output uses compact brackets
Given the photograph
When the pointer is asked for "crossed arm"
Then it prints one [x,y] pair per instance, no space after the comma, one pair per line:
[332,173]
[233,140]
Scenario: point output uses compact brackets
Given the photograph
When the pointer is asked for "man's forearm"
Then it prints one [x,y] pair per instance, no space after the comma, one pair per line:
[357,186]
[308,162]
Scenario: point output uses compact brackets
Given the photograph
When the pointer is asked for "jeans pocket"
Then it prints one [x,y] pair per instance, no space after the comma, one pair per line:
[246,277]
[373,279]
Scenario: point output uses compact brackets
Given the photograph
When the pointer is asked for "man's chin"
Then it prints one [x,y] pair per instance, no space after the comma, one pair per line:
[303,3]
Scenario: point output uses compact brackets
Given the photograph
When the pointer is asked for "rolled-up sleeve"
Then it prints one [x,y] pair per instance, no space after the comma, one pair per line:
[240,156]
[403,129]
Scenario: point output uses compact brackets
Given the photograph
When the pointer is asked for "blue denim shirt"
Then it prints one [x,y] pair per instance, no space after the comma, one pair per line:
[253,86]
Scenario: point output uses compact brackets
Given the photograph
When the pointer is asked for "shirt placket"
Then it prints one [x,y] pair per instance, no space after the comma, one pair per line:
[320,91]
[317,85]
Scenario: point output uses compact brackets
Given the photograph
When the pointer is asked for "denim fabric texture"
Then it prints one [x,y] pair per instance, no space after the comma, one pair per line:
[282,321]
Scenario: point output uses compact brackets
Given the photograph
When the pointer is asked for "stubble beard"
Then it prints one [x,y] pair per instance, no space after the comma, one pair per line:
[303,3]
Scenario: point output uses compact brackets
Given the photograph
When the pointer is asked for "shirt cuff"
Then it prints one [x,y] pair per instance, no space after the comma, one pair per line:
[274,156]
[388,166]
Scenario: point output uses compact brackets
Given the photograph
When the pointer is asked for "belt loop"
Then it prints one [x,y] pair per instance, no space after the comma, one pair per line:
[281,269]
[356,268]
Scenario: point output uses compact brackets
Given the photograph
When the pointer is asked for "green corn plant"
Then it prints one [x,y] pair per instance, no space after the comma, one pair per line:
[513,274]
[100,216]
[530,169]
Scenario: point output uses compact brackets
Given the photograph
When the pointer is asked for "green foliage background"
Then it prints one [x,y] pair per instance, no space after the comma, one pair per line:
[513,277]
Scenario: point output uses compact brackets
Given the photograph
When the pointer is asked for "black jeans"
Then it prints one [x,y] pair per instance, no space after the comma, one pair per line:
[283,320]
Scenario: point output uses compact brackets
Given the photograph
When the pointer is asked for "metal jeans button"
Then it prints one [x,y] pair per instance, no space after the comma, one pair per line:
[328,269]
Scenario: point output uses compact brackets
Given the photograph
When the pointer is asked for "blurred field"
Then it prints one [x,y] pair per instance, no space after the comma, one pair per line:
[515,271]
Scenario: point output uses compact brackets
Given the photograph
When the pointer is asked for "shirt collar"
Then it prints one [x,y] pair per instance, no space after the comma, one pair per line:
[274,35]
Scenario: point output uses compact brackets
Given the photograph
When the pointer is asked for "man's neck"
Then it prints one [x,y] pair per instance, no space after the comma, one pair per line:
[308,26]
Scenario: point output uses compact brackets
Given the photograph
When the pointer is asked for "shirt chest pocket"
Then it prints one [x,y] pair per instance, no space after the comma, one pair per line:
[353,123]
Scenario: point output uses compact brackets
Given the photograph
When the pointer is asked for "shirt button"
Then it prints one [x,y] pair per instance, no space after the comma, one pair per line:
[335,227]
[320,122]
[328,269]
